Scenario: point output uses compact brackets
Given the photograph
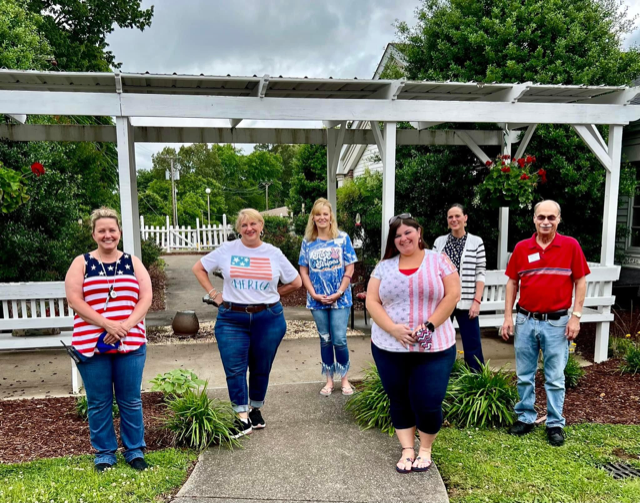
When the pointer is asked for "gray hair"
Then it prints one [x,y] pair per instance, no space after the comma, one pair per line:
[535,208]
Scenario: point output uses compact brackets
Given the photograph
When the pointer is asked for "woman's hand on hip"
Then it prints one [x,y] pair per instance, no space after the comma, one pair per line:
[403,334]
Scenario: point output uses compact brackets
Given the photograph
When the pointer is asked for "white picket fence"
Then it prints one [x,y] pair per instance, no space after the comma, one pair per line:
[181,238]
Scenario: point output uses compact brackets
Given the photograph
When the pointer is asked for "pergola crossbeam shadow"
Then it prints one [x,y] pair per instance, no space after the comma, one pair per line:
[373,106]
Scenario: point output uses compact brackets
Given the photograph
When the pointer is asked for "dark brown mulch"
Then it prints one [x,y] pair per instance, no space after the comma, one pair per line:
[299,298]
[49,427]
[603,396]
[158,282]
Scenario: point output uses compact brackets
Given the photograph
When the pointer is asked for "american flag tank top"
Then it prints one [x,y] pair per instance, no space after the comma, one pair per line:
[98,279]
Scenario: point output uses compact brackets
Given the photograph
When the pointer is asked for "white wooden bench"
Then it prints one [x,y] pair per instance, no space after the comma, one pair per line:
[37,305]
[597,304]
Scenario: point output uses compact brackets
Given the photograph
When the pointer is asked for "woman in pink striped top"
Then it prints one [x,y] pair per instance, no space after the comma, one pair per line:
[411,294]
[110,292]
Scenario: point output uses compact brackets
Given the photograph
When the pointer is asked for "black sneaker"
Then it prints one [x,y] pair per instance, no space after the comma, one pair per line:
[240,428]
[101,467]
[520,428]
[256,419]
[555,435]
[138,464]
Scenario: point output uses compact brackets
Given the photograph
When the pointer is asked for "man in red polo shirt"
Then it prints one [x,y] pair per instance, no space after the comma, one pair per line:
[546,268]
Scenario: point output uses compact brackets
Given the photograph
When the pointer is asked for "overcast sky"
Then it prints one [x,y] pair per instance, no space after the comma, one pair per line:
[292,38]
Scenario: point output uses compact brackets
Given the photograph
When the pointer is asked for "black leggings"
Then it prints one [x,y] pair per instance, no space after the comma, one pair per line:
[416,384]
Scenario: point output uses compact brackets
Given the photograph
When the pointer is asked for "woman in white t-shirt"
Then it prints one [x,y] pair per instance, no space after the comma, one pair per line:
[411,294]
[250,323]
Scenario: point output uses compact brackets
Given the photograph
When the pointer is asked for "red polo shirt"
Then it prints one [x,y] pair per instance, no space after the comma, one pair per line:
[547,276]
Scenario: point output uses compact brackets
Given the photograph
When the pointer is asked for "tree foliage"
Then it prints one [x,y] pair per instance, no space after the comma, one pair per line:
[556,42]
[309,181]
[22,46]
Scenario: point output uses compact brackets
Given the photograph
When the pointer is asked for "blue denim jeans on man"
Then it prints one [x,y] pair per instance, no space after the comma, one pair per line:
[102,375]
[531,336]
[249,341]
[332,327]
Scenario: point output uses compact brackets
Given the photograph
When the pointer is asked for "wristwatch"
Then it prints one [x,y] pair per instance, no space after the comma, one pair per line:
[577,314]
[430,326]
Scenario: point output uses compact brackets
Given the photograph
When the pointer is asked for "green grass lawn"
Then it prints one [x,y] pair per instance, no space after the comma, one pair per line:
[493,466]
[73,479]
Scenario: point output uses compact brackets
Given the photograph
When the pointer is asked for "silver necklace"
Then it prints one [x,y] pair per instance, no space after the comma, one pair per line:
[112,286]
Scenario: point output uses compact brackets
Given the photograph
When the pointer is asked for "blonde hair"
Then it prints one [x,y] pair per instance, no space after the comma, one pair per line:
[311,232]
[104,212]
[248,214]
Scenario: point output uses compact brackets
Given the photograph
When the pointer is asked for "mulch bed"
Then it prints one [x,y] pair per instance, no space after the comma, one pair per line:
[603,396]
[299,298]
[49,427]
[158,283]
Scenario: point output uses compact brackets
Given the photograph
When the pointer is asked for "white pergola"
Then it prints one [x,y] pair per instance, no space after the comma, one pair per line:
[516,108]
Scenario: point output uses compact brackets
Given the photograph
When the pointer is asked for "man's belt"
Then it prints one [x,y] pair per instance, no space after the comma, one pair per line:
[555,315]
[248,308]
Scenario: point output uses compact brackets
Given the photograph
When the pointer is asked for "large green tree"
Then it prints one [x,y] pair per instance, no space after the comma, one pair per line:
[551,41]
[309,181]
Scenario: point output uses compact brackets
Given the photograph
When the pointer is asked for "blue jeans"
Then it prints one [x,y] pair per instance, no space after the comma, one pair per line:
[249,341]
[470,334]
[332,327]
[416,384]
[102,375]
[531,336]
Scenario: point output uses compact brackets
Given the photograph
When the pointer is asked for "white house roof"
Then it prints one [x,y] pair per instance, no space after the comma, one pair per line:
[286,87]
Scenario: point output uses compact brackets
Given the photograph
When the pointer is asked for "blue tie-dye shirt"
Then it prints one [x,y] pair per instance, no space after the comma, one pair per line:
[326,261]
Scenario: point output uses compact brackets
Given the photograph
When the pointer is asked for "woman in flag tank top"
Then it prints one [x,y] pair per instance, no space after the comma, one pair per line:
[110,292]
[250,323]
[411,294]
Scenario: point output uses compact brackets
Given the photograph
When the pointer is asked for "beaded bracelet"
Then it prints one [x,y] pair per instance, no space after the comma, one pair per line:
[476,300]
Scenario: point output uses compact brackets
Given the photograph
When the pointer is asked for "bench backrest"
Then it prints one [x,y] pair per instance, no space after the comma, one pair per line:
[34,305]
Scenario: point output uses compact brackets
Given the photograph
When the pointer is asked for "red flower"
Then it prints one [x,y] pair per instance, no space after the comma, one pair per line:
[506,156]
[488,163]
[521,163]
[542,172]
[37,169]
[529,159]
[533,158]
[506,169]
[524,176]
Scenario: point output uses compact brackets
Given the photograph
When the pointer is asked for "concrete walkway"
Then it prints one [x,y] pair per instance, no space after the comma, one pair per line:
[310,451]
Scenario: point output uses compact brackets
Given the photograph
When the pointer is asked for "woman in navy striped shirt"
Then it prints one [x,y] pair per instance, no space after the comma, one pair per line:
[110,292]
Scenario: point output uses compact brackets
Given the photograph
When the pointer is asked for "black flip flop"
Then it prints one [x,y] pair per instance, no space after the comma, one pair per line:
[402,470]
[421,469]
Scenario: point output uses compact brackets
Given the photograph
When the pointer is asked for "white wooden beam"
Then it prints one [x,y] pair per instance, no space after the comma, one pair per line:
[21,118]
[424,125]
[475,148]
[511,95]
[390,91]
[616,98]
[331,124]
[524,143]
[225,107]
[612,183]
[594,145]
[378,137]
[39,132]
[335,140]
[128,187]
[234,122]
[388,179]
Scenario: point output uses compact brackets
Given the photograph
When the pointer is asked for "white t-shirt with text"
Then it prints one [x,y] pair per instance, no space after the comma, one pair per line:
[250,275]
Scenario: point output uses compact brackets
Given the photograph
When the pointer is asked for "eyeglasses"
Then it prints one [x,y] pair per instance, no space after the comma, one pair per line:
[542,218]
[401,216]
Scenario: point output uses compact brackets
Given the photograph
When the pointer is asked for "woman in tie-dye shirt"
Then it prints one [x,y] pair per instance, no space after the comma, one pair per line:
[411,294]
[326,267]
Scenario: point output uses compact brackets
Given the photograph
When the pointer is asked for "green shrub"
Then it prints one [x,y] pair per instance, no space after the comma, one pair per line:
[300,223]
[277,233]
[631,360]
[82,408]
[458,366]
[176,382]
[573,372]
[370,405]
[619,346]
[198,421]
[480,399]
[150,252]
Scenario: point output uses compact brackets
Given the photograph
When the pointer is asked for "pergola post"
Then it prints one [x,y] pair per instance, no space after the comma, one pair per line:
[128,187]
[388,178]
[607,252]
[335,140]
[503,215]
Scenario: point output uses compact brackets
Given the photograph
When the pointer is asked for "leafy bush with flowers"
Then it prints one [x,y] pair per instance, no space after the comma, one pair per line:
[511,182]
[13,192]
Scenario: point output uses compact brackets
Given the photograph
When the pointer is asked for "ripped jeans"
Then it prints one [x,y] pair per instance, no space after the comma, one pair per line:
[332,327]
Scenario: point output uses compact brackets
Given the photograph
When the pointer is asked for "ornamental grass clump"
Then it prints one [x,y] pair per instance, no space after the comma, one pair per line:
[481,399]
[198,421]
[630,363]
[573,372]
[370,405]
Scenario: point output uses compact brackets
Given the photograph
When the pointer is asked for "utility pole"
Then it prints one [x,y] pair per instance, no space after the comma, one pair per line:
[173,175]
[266,186]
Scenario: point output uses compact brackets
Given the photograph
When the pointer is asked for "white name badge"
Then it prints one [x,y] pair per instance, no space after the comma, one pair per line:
[534,257]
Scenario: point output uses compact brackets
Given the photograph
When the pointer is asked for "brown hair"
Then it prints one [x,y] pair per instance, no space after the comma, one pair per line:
[391,250]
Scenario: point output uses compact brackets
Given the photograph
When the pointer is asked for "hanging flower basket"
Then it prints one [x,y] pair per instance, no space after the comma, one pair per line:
[511,182]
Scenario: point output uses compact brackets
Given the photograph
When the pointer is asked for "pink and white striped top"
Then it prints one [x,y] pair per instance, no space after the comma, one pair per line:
[96,289]
[412,299]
